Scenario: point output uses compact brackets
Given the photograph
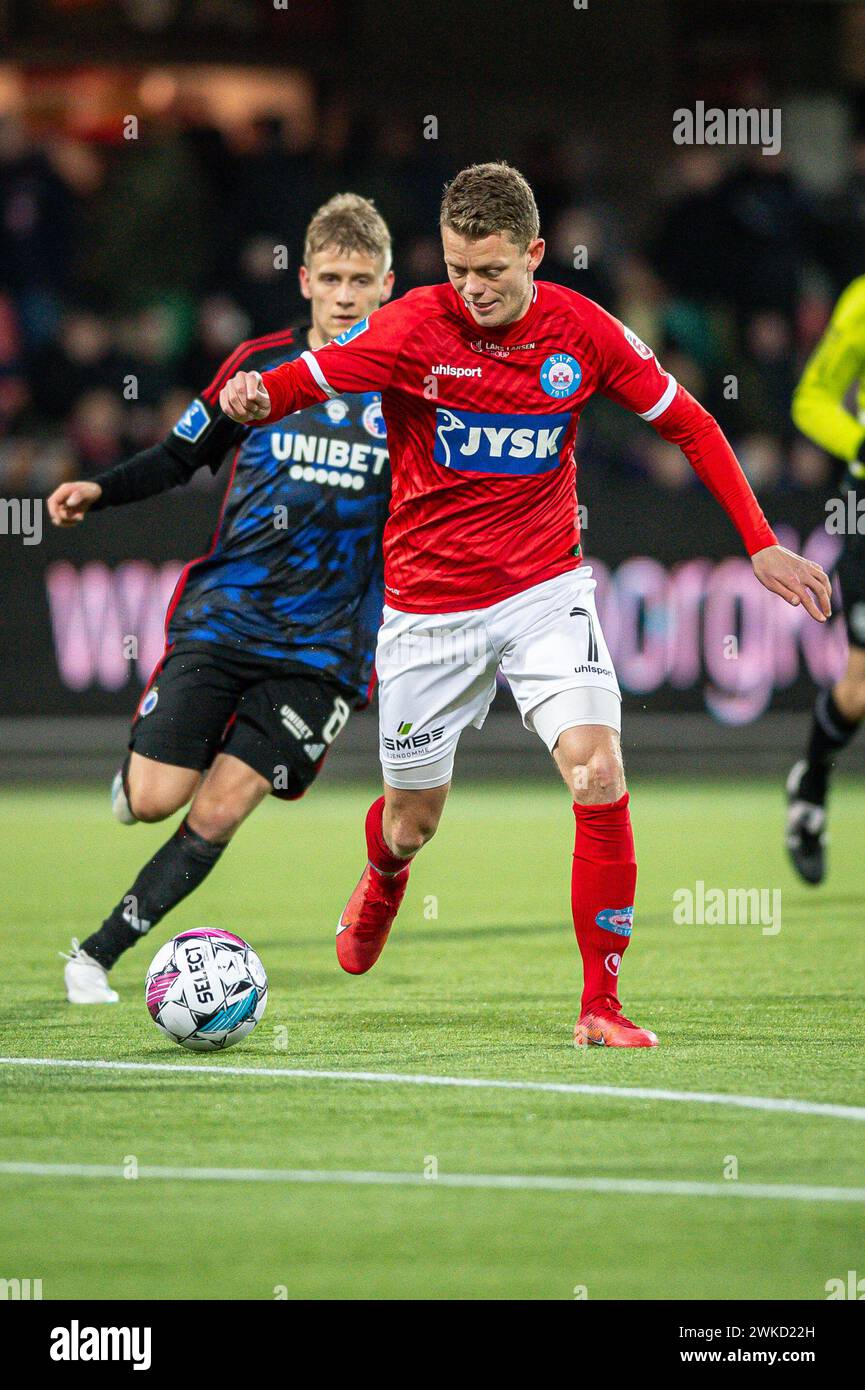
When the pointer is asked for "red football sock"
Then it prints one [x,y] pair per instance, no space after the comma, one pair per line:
[380,855]
[602,896]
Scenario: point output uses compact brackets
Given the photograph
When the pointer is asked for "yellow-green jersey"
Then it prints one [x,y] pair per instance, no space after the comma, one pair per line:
[836,365]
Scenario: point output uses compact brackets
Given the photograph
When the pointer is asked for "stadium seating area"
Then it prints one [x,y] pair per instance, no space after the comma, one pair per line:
[127,275]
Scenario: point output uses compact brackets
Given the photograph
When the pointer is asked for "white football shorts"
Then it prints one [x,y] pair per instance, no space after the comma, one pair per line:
[437,674]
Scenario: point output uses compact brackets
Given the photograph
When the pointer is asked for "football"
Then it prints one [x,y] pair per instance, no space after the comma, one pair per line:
[206,989]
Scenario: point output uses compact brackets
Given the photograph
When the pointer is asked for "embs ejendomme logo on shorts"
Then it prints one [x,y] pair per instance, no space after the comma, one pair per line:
[404,743]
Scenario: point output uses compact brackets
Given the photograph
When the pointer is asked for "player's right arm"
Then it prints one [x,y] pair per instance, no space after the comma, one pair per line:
[201,439]
[835,364]
[361,359]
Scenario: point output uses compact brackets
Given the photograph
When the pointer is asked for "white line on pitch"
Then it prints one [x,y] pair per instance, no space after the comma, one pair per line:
[568,1088]
[513,1182]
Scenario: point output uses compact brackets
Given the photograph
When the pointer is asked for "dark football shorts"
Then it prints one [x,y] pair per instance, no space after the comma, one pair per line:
[204,700]
[851,576]
[850,570]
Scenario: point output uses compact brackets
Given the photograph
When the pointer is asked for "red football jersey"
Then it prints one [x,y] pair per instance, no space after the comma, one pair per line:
[480,431]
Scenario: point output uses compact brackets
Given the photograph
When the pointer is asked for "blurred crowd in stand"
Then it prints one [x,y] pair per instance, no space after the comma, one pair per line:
[129,270]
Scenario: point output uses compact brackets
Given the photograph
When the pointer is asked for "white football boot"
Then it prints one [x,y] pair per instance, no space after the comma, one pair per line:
[806,829]
[86,980]
[120,807]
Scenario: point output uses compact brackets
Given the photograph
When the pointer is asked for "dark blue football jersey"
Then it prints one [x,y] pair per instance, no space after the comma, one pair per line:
[294,573]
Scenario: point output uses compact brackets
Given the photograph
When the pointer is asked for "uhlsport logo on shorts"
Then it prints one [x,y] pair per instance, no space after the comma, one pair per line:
[616,919]
[561,375]
[512,444]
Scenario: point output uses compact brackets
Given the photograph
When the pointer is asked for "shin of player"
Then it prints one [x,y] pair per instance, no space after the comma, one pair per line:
[604,875]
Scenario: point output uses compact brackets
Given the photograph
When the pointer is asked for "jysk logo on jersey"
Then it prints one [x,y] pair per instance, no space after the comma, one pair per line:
[192,423]
[357,328]
[561,375]
[513,444]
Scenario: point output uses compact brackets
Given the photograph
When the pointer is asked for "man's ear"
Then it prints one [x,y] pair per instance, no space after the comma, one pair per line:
[303,277]
[387,287]
[535,251]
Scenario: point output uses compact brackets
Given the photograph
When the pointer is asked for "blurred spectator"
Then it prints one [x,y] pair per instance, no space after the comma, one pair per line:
[266,285]
[82,355]
[36,228]
[220,327]
[130,269]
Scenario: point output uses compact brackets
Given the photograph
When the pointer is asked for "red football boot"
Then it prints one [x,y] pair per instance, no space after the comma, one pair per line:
[368,917]
[604,1026]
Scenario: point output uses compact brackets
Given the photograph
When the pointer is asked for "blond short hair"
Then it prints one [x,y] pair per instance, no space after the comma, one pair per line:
[485,199]
[348,223]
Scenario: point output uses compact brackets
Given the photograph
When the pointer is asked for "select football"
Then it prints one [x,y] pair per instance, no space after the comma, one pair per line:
[206,989]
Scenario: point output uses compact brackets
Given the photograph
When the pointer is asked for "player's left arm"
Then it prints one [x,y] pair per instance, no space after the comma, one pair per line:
[632,376]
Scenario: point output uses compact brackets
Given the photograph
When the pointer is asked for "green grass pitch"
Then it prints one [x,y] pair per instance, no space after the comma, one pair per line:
[480,979]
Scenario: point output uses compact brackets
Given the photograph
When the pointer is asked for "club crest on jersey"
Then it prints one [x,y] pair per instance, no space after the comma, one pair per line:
[192,423]
[373,419]
[148,704]
[512,444]
[619,920]
[337,411]
[350,333]
[561,375]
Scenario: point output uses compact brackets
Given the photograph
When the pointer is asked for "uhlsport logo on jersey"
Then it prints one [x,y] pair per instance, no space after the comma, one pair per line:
[192,423]
[561,375]
[617,919]
[513,444]
[350,333]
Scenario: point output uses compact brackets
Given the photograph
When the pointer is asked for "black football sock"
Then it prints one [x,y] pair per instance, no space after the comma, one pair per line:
[830,732]
[175,870]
